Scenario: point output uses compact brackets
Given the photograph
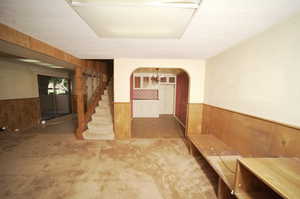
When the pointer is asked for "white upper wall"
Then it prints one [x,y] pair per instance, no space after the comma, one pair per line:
[19,80]
[260,76]
[124,67]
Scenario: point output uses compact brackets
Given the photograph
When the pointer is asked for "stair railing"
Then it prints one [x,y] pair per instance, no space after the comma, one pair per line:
[89,94]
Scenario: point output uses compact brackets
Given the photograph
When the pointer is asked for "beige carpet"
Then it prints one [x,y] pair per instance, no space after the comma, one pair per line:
[163,127]
[47,165]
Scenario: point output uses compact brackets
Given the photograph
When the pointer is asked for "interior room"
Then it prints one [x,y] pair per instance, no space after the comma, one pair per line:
[143,99]
[158,100]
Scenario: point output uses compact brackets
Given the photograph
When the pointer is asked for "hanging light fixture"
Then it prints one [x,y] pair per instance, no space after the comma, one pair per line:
[155,76]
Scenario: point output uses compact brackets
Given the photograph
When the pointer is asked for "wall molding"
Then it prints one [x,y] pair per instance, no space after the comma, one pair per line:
[178,120]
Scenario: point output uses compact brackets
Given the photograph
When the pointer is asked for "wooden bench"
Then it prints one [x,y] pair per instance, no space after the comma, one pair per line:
[248,178]
[222,159]
[271,178]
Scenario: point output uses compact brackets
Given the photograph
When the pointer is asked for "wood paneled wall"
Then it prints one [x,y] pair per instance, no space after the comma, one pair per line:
[122,120]
[194,119]
[251,136]
[182,92]
[20,114]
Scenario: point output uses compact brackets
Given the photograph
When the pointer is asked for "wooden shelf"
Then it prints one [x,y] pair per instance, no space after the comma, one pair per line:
[273,177]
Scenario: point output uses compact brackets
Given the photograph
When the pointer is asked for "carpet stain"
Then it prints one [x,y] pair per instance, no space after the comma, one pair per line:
[50,166]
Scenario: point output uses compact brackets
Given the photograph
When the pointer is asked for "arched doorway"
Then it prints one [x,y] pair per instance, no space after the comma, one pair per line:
[159,98]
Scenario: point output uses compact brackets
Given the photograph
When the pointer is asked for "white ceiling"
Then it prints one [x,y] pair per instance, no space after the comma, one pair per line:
[218,24]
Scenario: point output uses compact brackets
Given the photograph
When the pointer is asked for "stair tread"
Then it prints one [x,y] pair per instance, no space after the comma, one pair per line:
[100,128]
[89,135]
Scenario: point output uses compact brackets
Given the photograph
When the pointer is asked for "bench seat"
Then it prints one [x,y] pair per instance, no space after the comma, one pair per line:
[221,157]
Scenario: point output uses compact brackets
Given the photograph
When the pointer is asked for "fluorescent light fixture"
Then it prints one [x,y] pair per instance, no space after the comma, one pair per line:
[28,60]
[56,67]
[137,18]
[44,64]
[37,62]
[162,3]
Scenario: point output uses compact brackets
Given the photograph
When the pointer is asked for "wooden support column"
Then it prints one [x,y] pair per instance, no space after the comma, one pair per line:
[102,86]
[80,101]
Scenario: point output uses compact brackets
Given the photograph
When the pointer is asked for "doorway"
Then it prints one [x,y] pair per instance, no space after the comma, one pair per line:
[55,100]
[166,99]
[157,111]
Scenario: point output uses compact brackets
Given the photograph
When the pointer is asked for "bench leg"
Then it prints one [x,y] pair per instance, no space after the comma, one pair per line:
[223,191]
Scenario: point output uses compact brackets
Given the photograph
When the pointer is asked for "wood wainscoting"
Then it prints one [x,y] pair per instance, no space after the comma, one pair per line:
[20,114]
[122,120]
[194,119]
[251,136]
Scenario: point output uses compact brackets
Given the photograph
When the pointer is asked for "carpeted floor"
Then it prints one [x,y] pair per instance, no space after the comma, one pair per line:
[50,164]
[163,127]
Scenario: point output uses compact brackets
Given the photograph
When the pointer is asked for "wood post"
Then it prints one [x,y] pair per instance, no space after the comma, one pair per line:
[80,101]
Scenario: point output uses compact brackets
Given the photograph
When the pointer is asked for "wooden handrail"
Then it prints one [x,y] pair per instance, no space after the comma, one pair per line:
[93,104]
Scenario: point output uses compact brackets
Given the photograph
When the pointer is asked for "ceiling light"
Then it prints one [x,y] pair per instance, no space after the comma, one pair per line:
[56,67]
[44,64]
[162,3]
[137,18]
[28,60]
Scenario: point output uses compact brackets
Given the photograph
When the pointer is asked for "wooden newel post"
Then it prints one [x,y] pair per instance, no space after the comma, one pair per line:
[80,101]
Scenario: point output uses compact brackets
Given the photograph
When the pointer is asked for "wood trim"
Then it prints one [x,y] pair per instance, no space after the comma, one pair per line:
[122,120]
[255,117]
[79,81]
[18,38]
[178,120]
[194,119]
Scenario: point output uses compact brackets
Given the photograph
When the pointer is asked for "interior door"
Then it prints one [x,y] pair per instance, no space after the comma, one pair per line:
[166,99]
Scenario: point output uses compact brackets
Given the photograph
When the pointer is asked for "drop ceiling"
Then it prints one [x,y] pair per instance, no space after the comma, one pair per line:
[216,26]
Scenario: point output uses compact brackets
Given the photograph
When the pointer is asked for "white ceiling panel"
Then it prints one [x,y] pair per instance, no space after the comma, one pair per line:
[136,21]
[216,26]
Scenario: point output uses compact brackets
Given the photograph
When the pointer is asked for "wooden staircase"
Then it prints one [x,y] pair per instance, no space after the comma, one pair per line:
[101,125]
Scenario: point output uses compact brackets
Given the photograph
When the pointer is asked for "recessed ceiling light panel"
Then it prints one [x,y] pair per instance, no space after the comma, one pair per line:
[136,19]
[28,60]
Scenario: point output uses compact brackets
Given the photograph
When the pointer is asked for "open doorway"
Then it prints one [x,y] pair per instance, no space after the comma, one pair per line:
[159,100]
[55,98]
